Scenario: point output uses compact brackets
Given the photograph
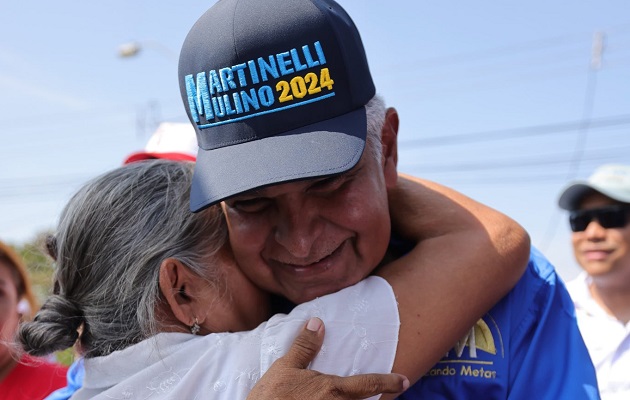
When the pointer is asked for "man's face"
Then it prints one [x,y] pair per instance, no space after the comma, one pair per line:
[309,238]
[604,253]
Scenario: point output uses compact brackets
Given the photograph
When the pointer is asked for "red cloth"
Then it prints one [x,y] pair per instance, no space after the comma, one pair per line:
[32,379]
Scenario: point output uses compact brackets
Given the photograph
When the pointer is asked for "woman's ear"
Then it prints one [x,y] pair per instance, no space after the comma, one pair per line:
[177,286]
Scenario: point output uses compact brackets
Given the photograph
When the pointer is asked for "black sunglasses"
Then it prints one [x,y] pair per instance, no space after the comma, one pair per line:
[608,217]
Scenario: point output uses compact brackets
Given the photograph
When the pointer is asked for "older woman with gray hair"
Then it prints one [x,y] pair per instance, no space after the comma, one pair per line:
[144,290]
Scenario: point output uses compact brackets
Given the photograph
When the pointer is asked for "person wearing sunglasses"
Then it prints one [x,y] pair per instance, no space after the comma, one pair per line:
[599,217]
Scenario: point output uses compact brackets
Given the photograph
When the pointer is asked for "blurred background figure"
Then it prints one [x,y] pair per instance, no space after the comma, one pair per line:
[599,217]
[21,376]
[172,141]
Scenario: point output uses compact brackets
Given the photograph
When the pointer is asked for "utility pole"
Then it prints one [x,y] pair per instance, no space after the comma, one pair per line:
[597,52]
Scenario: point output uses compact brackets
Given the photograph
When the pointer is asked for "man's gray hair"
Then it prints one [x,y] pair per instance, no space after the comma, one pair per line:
[111,240]
[375,110]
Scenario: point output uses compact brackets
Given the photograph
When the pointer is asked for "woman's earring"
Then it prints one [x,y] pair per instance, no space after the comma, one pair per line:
[194,329]
[23,308]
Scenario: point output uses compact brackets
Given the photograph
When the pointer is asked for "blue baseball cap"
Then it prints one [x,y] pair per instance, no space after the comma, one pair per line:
[276,91]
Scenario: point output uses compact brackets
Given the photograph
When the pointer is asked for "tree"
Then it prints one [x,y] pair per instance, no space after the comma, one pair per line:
[39,264]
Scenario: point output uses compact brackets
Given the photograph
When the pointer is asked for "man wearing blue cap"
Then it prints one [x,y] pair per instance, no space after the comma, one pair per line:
[302,152]
[599,216]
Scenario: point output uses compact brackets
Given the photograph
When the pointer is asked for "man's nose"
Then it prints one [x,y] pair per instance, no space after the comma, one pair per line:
[298,225]
[594,230]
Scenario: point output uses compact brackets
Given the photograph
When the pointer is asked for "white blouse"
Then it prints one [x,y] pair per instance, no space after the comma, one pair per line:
[361,323]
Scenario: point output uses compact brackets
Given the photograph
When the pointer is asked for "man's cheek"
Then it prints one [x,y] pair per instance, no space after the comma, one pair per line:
[244,230]
[254,230]
[257,271]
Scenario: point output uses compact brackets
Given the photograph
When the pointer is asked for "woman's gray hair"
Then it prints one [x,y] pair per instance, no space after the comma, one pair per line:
[111,240]
[375,110]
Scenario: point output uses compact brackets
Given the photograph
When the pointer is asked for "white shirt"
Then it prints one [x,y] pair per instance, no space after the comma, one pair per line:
[361,323]
[607,340]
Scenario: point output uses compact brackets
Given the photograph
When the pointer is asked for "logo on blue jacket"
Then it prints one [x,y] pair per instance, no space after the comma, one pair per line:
[475,354]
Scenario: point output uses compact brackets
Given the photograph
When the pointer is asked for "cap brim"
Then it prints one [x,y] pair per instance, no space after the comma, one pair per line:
[325,148]
[151,156]
[573,195]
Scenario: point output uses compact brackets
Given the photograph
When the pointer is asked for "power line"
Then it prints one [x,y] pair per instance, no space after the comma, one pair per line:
[510,49]
[511,133]
[534,45]
[36,188]
[10,186]
[502,165]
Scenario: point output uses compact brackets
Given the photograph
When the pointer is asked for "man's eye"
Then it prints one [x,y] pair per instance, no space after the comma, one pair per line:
[328,184]
[251,205]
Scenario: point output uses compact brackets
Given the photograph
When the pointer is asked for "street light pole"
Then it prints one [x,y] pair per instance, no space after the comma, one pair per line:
[150,113]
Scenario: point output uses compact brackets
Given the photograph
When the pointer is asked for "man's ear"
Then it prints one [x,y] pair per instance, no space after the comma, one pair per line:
[176,286]
[389,139]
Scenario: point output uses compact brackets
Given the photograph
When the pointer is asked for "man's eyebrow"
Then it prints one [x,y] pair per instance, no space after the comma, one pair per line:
[258,192]
[347,174]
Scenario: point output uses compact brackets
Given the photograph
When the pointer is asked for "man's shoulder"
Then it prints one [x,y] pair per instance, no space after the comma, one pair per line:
[541,267]
[540,278]
[539,283]
[538,296]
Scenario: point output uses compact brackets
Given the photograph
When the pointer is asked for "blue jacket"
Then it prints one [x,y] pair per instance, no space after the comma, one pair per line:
[74,377]
[527,347]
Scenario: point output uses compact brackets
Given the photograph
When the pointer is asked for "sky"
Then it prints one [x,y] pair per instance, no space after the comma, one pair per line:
[504,101]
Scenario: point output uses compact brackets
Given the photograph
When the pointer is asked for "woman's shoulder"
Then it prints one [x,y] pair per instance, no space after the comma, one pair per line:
[361,321]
